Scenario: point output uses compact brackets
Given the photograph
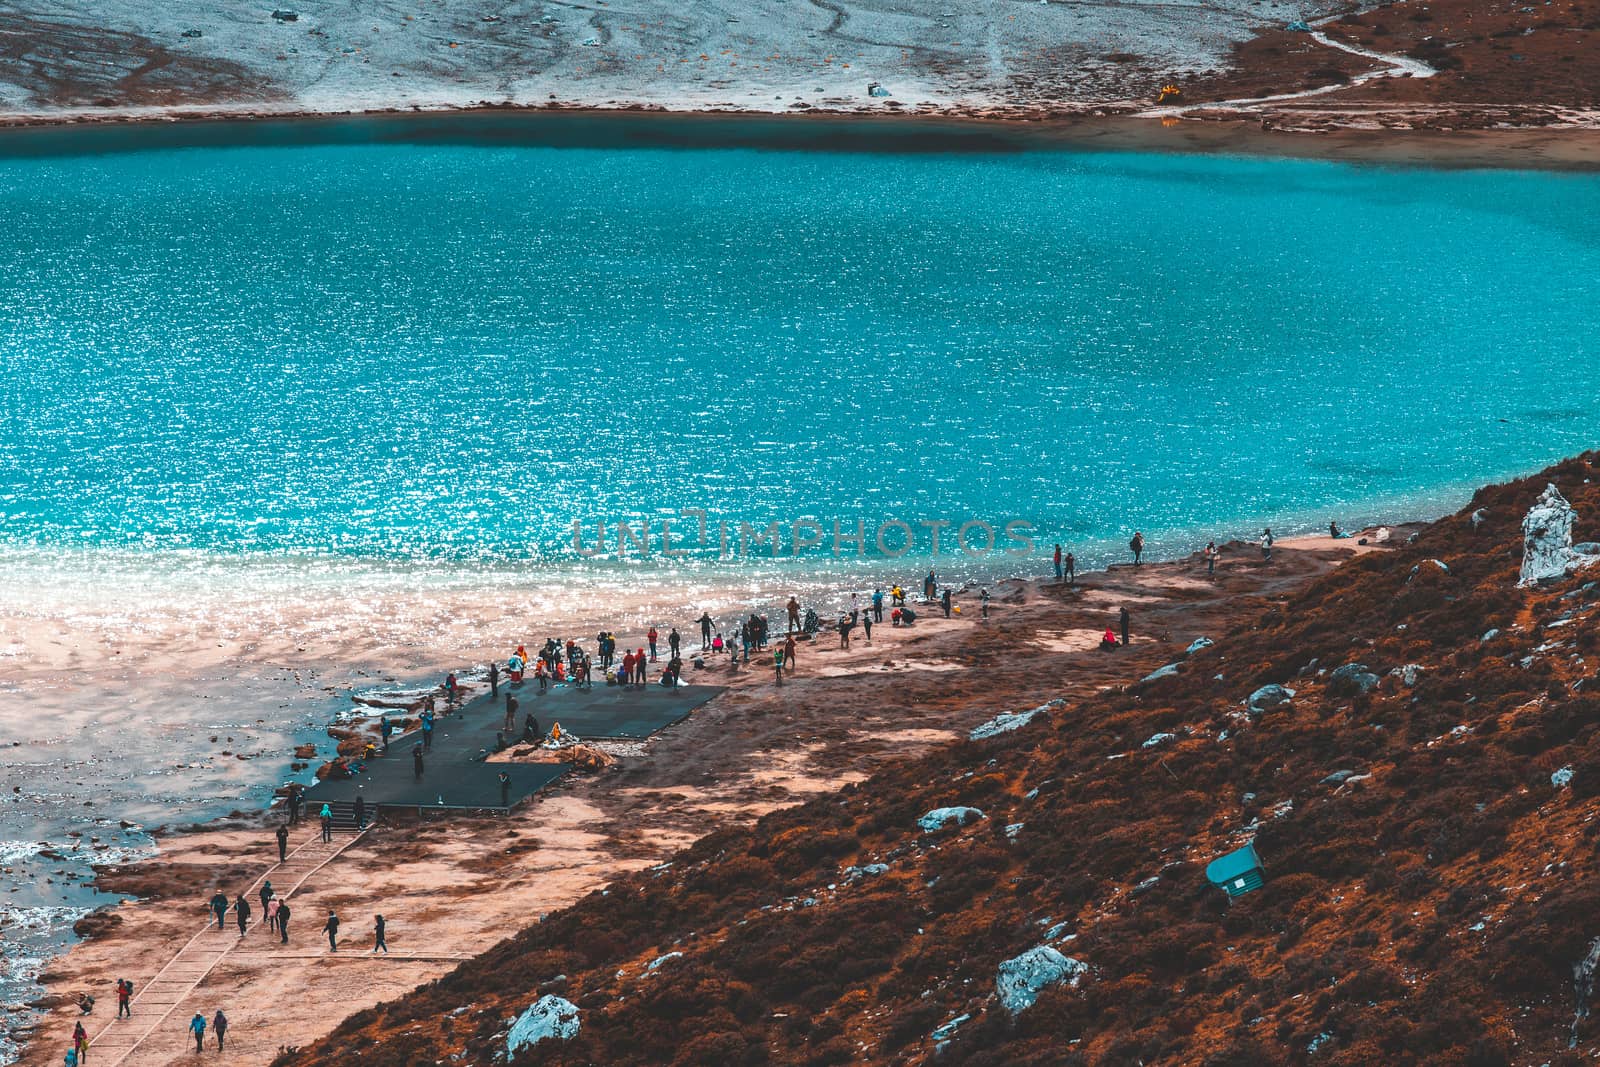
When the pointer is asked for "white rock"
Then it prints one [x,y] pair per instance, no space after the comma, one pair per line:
[1562,778]
[855,874]
[1159,673]
[1269,698]
[1198,643]
[1008,721]
[939,817]
[1158,739]
[1547,540]
[659,960]
[942,1034]
[1407,674]
[550,1016]
[1022,978]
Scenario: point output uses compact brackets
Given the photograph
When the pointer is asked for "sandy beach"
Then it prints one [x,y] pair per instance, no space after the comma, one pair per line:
[451,888]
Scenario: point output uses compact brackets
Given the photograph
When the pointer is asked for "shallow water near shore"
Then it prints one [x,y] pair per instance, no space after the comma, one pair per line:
[283,421]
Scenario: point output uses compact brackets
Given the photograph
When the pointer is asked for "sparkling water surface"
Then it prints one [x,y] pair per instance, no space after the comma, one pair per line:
[447,353]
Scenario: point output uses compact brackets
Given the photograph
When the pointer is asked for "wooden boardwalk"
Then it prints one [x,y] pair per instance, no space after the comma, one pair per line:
[120,1041]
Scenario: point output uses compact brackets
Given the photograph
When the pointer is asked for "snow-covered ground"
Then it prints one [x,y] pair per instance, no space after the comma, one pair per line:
[131,57]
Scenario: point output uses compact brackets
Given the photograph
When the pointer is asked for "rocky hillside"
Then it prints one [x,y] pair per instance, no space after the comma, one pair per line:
[1421,790]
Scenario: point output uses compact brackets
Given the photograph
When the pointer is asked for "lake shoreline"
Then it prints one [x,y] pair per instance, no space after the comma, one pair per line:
[1358,135]
[755,748]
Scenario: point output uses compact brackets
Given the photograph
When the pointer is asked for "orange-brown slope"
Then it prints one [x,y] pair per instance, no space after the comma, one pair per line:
[1426,906]
[1497,63]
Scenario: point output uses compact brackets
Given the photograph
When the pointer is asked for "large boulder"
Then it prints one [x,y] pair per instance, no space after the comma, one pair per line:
[549,1016]
[1022,978]
[1547,550]
[1269,698]
[939,818]
[1353,679]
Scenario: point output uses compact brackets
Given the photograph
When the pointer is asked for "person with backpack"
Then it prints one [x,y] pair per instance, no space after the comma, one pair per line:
[197,1027]
[124,998]
[327,823]
[219,1025]
[1137,546]
[283,922]
[219,907]
[241,912]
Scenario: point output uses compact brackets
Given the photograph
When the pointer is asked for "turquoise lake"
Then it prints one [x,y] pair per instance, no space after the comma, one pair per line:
[448,353]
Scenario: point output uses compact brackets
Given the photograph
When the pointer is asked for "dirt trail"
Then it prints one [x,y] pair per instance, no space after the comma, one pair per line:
[454,888]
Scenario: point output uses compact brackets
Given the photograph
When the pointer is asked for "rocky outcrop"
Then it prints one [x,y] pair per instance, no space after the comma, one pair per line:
[1170,670]
[1269,698]
[1353,679]
[1583,976]
[939,818]
[1007,721]
[549,1016]
[1022,978]
[1547,551]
